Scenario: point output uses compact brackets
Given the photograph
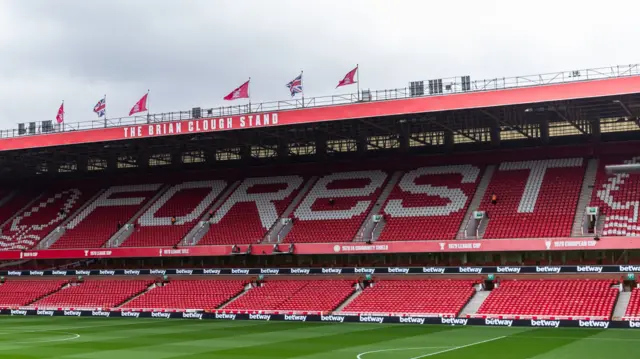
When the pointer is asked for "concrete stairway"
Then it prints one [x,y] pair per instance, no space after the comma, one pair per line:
[279,229]
[474,304]
[126,230]
[477,199]
[621,305]
[59,231]
[246,289]
[198,231]
[370,230]
[585,197]
[348,300]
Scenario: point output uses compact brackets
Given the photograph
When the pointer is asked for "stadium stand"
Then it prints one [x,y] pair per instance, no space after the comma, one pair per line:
[24,292]
[188,294]
[336,206]
[534,198]
[253,207]
[416,297]
[93,294]
[429,203]
[13,201]
[618,198]
[562,298]
[294,296]
[94,225]
[43,216]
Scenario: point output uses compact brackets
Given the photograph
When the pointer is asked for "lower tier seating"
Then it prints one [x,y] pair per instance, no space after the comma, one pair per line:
[592,299]
[24,292]
[188,294]
[94,294]
[416,297]
[295,296]
[633,309]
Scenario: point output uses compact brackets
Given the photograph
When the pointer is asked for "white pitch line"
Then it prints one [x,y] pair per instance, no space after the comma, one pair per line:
[359,356]
[75,336]
[460,347]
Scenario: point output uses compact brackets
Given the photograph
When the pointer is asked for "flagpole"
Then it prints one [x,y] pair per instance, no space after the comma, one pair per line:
[249,93]
[105,110]
[62,115]
[148,112]
[358,79]
[302,85]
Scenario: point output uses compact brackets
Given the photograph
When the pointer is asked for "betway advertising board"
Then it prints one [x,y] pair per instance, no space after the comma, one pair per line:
[335,318]
[585,269]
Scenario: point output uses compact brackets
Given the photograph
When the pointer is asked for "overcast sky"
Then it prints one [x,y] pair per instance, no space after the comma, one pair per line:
[192,53]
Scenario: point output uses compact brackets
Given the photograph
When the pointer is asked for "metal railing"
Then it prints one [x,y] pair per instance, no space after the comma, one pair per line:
[450,85]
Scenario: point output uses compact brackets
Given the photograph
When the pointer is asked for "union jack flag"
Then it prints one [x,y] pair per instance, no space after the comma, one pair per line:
[101,107]
[295,86]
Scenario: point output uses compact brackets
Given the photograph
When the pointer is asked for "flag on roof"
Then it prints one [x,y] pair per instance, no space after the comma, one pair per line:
[60,115]
[101,107]
[295,86]
[349,78]
[140,106]
[240,92]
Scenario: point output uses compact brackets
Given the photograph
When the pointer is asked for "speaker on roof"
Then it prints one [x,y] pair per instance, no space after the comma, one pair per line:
[21,129]
[196,112]
[435,87]
[466,83]
[47,126]
[416,88]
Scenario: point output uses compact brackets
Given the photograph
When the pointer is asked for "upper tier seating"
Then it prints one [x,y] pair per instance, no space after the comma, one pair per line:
[429,203]
[295,296]
[14,201]
[98,222]
[618,198]
[187,202]
[23,292]
[336,206]
[417,297]
[534,198]
[253,207]
[94,294]
[188,294]
[42,217]
[551,298]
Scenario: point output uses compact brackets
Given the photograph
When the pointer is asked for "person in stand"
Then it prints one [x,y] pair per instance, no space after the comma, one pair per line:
[494,199]
[332,202]
[119,225]
[173,220]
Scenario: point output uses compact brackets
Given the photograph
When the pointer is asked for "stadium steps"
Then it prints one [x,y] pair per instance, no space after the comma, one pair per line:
[369,229]
[21,210]
[621,305]
[278,230]
[120,236]
[149,288]
[346,302]
[232,299]
[474,303]
[54,235]
[586,193]
[202,227]
[477,199]
[64,286]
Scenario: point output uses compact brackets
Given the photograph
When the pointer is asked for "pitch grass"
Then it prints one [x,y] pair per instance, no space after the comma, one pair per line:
[124,338]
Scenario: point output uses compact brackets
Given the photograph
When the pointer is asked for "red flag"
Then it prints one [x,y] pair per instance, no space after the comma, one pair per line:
[60,115]
[240,92]
[348,78]
[140,106]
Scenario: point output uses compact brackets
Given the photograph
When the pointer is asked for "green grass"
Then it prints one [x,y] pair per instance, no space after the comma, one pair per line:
[120,338]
